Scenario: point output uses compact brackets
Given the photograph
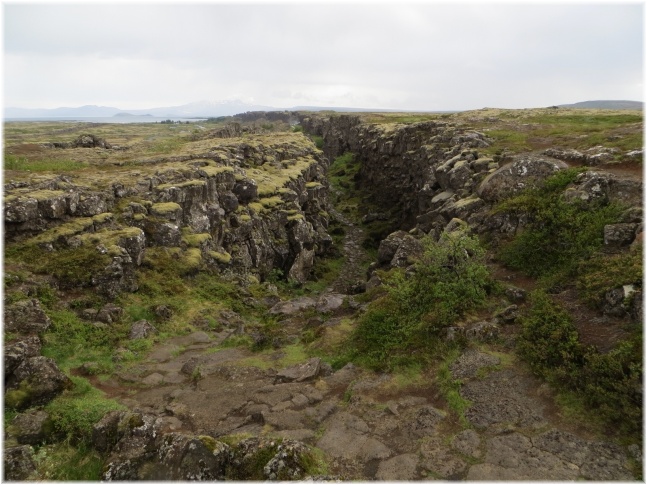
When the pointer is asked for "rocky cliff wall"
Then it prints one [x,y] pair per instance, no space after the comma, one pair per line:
[404,167]
[426,174]
[246,206]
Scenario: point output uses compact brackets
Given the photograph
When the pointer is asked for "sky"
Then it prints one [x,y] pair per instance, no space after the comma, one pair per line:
[411,56]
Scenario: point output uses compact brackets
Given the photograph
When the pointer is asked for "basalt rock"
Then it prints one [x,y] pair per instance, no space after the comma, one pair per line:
[16,351]
[525,172]
[245,207]
[36,381]
[19,463]
[26,317]
[32,428]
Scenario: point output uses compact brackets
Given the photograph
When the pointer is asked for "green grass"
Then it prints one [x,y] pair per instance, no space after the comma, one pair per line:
[450,388]
[579,131]
[602,272]
[64,462]
[13,162]
[75,412]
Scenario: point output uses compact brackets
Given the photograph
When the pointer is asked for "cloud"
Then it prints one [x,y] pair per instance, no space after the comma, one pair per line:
[417,56]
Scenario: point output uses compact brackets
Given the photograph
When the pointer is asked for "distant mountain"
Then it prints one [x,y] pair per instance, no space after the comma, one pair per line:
[88,111]
[199,109]
[605,104]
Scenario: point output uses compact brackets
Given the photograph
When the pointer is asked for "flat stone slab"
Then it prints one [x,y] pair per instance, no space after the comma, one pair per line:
[347,438]
[301,372]
[291,307]
[398,468]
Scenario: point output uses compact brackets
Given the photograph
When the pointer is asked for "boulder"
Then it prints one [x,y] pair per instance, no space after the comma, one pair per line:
[17,351]
[136,435]
[163,312]
[300,373]
[409,249]
[256,458]
[117,277]
[329,302]
[32,427]
[245,191]
[619,235]
[19,463]
[288,462]
[105,433]
[36,381]
[525,172]
[110,313]
[291,307]
[26,317]
[389,246]
[507,315]
[190,458]
[141,329]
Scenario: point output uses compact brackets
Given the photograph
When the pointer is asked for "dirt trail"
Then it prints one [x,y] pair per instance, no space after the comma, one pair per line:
[372,426]
[354,255]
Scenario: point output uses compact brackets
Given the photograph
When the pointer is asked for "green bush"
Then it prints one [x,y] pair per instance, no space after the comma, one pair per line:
[559,233]
[608,383]
[404,326]
[549,340]
[603,272]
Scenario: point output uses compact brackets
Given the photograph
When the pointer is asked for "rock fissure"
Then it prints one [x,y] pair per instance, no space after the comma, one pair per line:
[200,407]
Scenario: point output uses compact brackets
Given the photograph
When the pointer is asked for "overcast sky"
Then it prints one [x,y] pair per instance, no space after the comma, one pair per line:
[420,56]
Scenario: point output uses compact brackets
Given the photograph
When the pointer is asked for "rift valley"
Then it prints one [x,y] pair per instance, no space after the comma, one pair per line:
[325,296]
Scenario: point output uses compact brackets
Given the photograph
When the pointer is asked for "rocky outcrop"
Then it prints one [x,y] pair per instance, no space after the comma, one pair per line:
[139,448]
[244,206]
[26,317]
[36,381]
[30,379]
[404,166]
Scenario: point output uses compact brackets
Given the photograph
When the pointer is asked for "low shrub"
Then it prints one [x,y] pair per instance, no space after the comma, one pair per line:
[610,383]
[559,233]
[603,272]
[404,326]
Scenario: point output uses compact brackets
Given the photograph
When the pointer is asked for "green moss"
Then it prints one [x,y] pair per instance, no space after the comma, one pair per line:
[71,266]
[165,208]
[109,237]
[17,398]
[312,185]
[257,207]
[75,226]
[271,202]
[188,183]
[102,218]
[212,171]
[209,442]
[196,240]
[192,259]
[45,194]
[296,217]
[222,258]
